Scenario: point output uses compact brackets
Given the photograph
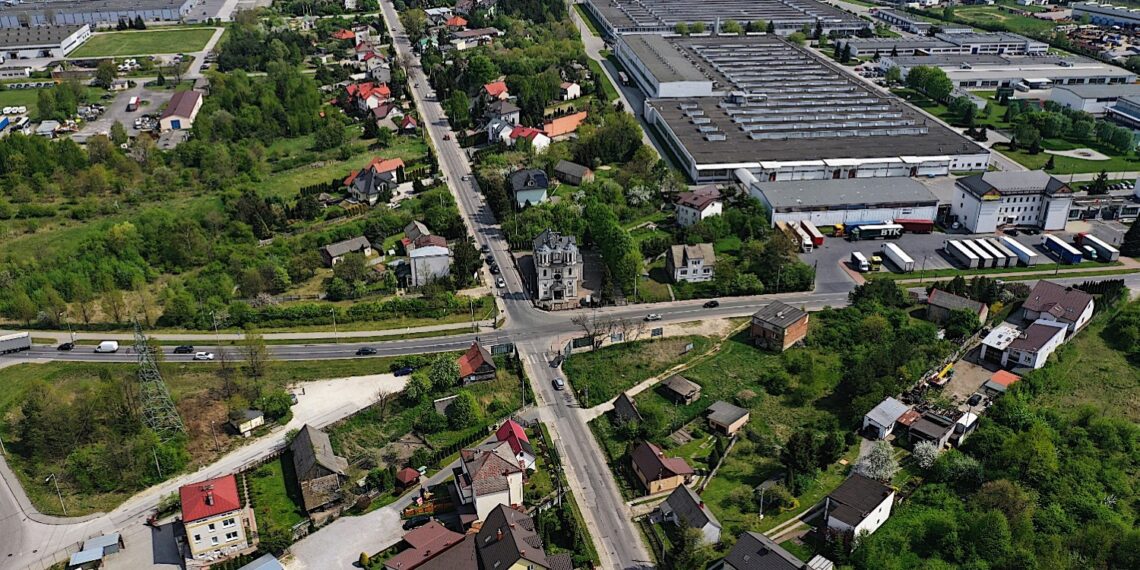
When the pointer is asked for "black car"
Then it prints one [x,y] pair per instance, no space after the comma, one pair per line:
[712,304]
[405,371]
[494,269]
[1011,232]
[974,400]
[66,346]
[490,259]
[416,522]
[365,351]
[486,248]
[184,349]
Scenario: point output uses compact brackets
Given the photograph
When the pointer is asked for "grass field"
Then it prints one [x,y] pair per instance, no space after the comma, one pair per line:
[273,492]
[114,44]
[995,15]
[607,372]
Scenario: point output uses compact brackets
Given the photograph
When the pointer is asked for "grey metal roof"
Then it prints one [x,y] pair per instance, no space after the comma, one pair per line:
[266,562]
[724,413]
[1013,183]
[664,14]
[35,36]
[689,508]
[571,168]
[754,551]
[347,246]
[950,301]
[887,412]
[530,179]
[796,195]
[1101,91]
[681,385]
[943,59]
[625,409]
[102,541]
[780,314]
[662,59]
[961,38]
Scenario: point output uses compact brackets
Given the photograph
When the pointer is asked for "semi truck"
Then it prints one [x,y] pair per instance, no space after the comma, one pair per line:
[995,245]
[984,259]
[1065,252]
[875,231]
[15,342]
[1104,252]
[961,253]
[790,233]
[898,257]
[859,261]
[916,226]
[1026,256]
[1000,260]
[813,232]
[806,243]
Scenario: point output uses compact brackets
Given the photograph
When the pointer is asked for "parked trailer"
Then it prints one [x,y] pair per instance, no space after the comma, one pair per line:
[875,231]
[1026,256]
[984,259]
[961,253]
[898,257]
[813,232]
[1011,258]
[1104,252]
[15,342]
[789,233]
[860,262]
[806,243]
[916,226]
[133,104]
[1066,253]
[1000,260]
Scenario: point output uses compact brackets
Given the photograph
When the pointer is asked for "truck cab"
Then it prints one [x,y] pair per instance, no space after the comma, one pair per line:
[859,262]
[1089,252]
[876,262]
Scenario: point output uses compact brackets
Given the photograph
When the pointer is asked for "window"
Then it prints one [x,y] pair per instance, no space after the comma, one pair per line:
[228,523]
[213,540]
[197,538]
[231,536]
[708,270]
[211,527]
[684,272]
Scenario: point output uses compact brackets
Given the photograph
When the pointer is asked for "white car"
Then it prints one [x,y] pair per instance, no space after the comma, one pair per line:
[500,283]
[203,356]
[653,317]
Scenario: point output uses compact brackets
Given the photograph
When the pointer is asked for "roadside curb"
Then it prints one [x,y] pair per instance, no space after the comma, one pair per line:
[29,509]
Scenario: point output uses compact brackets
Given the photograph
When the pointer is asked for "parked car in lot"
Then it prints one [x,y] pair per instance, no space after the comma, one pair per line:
[500,283]
[405,371]
[66,346]
[184,349]
[416,522]
[974,400]
[365,351]
[203,356]
[653,317]
[559,383]
[712,304]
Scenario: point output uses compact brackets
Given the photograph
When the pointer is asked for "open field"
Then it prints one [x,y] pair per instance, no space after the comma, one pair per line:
[113,44]
[607,372]
[273,493]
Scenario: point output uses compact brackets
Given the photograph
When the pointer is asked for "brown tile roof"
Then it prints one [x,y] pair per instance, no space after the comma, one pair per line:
[488,467]
[652,463]
[1058,300]
[508,537]
[474,359]
[1036,336]
[182,104]
[700,198]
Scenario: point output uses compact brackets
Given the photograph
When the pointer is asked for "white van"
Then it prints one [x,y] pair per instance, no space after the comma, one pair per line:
[107,346]
[859,262]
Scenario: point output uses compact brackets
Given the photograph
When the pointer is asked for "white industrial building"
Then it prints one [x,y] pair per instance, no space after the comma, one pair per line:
[985,202]
[108,12]
[41,41]
[1105,14]
[831,202]
[780,112]
[621,17]
[990,71]
[1093,99]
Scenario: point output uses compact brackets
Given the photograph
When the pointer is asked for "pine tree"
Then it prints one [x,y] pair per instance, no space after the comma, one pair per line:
[1049,164]
[846,56]
[1131,245]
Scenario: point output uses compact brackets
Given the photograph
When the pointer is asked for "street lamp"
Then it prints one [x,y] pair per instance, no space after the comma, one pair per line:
[55,480]
[63,315]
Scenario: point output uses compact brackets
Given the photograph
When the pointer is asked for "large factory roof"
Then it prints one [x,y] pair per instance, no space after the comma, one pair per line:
[36,36]
[667,13]
[869,192]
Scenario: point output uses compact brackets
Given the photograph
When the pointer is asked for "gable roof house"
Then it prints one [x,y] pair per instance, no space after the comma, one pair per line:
[939,305]
[1052,302]
[476,364]
[214,518]
[684,507]
[933,428]
[681,390]
[386,114]
[489,476]
[569,90]
[559,127]
[409,124]
[1000,382]
[414,231]
[368,95]
[726,418]
[657,472]
[503,109]
[538,139]
[376,181]
[572,173]
[320,472]
[754,551]
[1031,349]
[694,206]
[528,186]
[508,539]
[692,263]
[495,91]
[334,253]
[181,111]
[778,326]
[883,418]
[515,436]
[859,505]
[424,544]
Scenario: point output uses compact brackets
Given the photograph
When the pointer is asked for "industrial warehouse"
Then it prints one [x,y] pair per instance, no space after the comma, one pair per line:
[761,104]
[107,12]
[41,41]
[657,16]
[831,202]
[990,71]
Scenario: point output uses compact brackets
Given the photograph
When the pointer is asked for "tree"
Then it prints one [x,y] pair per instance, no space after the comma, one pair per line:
[463,411]
[1131,244]
[894,51]
[697,27]
[139,24]
[118,134]
[879,463]
[415,23]
[416,389]
[466,261]
[352,268]
[1049,164]
[365,561]
[1099,185]
[45,104]
[23,308]
[893,74]
[458,108]
[961,323]
[925,454]
[845,56]
[444,373]
[105,73]
[681,29]
[771,28]
[797,38]
[330,135]
[732,27]
[160,79]
[882,291]
[255,352]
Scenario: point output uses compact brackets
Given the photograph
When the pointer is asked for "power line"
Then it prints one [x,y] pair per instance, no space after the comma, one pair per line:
[158,408]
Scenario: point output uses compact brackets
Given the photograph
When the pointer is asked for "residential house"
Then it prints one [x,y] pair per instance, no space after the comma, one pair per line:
[415,230]
[557,270]
[859,505]
[528,186]
[692,263]
[375,181]
[423,544]
[569,90]
[499,132]
[694,206]
[409,125]
[489,476]
[572,173]
[657,472]
[883,418]
[456,23]
[386,115]
[754,551]
[334,253]
[681,390]
[537,139]
[429,261]
[245,421]
[215,521]
[476,365]
[939,305]
[966,424]
[726,418]
[470,6]
[508,541]
[320,472]
[1033,347]
[778,326]
[460,555]
[407,477]
[504,110]
[625,409]
[181,111]
[467,39]
[932,427]
[999,383]
[514,435]
[438,16]
[560,127]
[685,508]
[495,91]
[368,95]
[1052,302]
[344,35]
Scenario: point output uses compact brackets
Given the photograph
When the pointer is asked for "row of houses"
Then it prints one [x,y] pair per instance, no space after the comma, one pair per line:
[1054,313]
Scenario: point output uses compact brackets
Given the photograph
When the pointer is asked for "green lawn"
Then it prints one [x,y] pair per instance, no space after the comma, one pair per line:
[273,493]
[1067,165]
[287,183]
[607,372]
[588,19]
[991,15]
[600,75]
[113,44]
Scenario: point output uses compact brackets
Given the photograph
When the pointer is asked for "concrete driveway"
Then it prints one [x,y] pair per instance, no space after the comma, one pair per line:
[153,101]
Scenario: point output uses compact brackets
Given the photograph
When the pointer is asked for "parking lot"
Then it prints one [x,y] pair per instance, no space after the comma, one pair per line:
[152,102]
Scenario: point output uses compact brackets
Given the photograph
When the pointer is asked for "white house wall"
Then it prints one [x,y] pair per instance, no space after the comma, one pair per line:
[830,217]
[877,517]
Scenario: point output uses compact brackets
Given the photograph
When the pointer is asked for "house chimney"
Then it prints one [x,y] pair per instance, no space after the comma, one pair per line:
[499,534]
[210,498]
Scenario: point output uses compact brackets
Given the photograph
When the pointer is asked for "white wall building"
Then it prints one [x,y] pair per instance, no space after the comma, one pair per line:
[428,264]
[698,204]
[860,505]
[1052,302]
[1030,348]
[1092,99]
[489,476]
[985,202]
[558,269]
[830,202]
[881,419]
[41,41]
[692,263]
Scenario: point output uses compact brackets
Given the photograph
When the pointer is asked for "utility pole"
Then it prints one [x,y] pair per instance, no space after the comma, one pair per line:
[63,314]
[54,480]
[336,340]
[922,273]
[154,451]
[214,431]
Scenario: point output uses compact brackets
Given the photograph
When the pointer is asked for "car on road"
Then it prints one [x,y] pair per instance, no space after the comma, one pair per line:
[465,177]
[559,383]
[500,283]
[974,400]
[447,137]
[365,351]
[653,317]
[494,270]
[416,522]
[66,346]
[404,371]
[486,248]
[490,258]
[712,304]
[203,356]
[184,349]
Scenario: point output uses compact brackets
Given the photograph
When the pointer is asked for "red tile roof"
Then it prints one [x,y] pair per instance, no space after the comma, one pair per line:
[472,360]
[426,542]
[209,498]
[409,121]
[564,125]
[343,35]
[1004,378]
[429,240]
[407,475]
[457,22]
[496,88]
[367,89]
[377,164]
[652,463]
[511,427]
[529,133]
